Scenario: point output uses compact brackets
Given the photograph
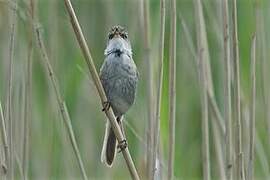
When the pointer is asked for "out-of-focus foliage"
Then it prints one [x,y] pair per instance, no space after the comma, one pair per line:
[51,155]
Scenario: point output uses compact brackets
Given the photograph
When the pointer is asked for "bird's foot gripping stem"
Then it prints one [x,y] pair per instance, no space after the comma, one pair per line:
[106,106]
[122,145]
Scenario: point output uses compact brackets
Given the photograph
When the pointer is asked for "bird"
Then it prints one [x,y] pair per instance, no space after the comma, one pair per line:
[119,78]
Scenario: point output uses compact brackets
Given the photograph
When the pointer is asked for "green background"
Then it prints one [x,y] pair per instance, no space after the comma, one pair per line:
[51,155]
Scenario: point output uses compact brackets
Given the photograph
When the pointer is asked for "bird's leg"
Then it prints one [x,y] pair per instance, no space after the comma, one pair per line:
[120,123]
[106,106]
[122,145]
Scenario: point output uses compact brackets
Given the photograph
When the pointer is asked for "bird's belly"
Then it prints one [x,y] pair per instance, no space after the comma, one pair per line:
[121,93]
[119,79]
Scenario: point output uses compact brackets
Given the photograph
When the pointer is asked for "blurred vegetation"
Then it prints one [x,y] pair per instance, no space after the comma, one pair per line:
[51,155]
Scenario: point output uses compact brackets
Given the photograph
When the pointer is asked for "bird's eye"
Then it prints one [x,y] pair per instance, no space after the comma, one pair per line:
[124,36]
[110,36]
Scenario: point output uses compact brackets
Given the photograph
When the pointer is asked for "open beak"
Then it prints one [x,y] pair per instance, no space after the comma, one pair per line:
[117,35]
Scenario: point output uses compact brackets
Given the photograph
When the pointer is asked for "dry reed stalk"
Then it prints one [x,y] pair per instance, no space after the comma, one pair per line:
[252,127]
[217,114]
[211,96]
[201,21]
[218,129]
[227,91]
[61,103]
[259,148]
[218,126]
[28,93]
[172,91]
[264,63]
[205,128]
[261,50]
[218,147]
[160,83]
[149,90]
[204,84]
[91,66]
[26,126]
[4,140]
[239,152]
[9,117]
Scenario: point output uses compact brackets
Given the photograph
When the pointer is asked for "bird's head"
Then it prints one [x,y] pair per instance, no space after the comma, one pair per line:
[118,40]
[117,32]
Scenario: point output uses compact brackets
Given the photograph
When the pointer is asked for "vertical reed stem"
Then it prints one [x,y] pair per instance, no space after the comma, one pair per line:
[205,128]
[28,93]
[239,152]
[202,62]
[227,91]
[172,91]
[160,83]
[149,89]
[4,140]
[252,127]
[9,117]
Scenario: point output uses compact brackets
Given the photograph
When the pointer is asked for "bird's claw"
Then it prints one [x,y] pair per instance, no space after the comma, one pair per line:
[122,145]
[106,106]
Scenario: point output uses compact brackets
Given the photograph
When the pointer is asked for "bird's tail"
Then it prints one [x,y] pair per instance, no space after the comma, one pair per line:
[109,144]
